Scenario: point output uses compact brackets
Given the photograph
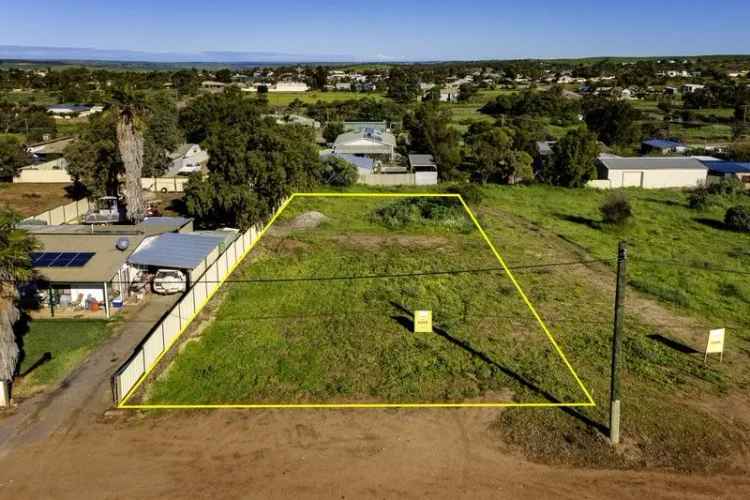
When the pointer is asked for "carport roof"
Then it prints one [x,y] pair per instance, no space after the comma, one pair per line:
[175,250]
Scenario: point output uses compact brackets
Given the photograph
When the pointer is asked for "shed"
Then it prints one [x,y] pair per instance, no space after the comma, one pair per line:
[723,169]
[652,173]
[662,146]
[425,169]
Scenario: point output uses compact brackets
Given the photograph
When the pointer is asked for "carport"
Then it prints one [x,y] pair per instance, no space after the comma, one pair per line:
[188,252]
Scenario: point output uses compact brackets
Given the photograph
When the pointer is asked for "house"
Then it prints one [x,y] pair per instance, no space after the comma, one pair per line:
[359,126]
[690,88]
[343,86]
[718,170]
[364,165]
[662,146]
[186,159]
[368,141]
[213,86]
[424,168]
[292,119]
[80,269]
[650,172]
[73,110]
[50,149]
[289,86]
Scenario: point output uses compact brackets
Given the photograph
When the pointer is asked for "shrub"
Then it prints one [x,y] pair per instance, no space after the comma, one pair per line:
[738,219]
[441,212]
[700,198]
[338,172]
[727,186]
[469,192]
[616,209]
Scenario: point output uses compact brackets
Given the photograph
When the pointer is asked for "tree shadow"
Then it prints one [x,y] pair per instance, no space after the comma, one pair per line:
[577,219]
[712,223]
[673,344]
[406,320]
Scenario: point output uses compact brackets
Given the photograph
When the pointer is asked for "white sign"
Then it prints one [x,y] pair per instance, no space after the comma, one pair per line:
[715,344]
[422,321]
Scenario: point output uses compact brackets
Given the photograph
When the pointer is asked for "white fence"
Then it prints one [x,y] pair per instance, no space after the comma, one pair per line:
[71,212]
[176,321]
[164,184]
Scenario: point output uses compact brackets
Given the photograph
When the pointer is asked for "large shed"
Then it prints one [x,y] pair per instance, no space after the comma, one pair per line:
[652,173]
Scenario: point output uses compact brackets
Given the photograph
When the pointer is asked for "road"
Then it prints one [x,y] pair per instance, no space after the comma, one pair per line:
[86,393]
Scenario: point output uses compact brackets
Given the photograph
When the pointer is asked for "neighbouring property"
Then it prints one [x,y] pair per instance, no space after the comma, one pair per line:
[424,168]
[368,141]
[662,146]
[650,172]
[187,159]
[73,110]
[718,170]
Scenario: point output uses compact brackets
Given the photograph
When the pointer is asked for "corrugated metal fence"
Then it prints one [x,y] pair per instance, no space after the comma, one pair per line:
[176,321]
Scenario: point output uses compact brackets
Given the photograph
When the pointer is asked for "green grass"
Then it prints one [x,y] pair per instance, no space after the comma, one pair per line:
[345,341]
[67,341]
[283,99]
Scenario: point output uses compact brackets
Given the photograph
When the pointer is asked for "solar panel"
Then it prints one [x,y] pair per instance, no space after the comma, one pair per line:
[60,259]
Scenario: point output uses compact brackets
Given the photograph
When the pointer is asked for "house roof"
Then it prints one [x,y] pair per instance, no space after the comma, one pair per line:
[366,137]
[105,262]
[56,146]
[180,151]
[422,161]
[663,144]
[69,108]
[545,147]
[175,250]
[360,162]
[56,164]
[728,167]
[650,163]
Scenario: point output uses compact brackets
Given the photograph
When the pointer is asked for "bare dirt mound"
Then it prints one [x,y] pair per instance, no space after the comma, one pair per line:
[307,220]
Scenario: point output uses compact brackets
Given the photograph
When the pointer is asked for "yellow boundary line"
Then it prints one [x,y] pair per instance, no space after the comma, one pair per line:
[589,403]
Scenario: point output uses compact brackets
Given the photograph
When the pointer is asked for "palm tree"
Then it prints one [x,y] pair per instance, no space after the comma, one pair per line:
[129,110]
[15,265]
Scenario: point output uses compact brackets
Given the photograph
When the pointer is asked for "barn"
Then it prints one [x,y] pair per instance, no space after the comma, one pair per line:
[650,172]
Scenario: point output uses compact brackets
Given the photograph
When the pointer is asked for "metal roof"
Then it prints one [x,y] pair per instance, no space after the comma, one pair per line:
[651,163]
[361,162]
[728,167]
[175,250]
[422,161]
[663,144]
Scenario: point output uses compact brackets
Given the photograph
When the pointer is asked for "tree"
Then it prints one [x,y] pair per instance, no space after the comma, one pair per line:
[574,159]
[332,131]
[162,134]
[13,156]
[339,172]
[94,160]
[740,151]
[496,159]
[738,218]
[614,121]
[430,132]
[129,110]
[319,78]
[224,75]
[15,265]
[253,164]
[403,85]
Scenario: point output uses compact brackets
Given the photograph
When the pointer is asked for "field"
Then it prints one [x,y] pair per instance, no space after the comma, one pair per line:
[52,348]
[32,199]
[284,99]
[259,342]
[324,315]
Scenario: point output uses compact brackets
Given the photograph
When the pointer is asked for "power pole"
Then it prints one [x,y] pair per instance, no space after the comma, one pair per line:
[614,407]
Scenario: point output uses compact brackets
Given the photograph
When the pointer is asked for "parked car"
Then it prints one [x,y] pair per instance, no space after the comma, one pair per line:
[169,281]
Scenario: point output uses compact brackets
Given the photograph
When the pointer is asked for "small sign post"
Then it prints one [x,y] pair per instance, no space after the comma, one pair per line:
[422,321]
[715,344]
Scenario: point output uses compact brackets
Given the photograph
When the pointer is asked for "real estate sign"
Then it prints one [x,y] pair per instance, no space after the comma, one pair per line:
[715,343]
[422,321]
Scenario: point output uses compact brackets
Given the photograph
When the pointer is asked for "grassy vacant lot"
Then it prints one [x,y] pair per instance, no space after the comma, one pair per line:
[283,99]
[52,348]
[32,199]
[346,341]
[349,339]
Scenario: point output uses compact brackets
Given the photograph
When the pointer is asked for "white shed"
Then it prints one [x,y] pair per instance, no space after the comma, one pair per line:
[651,173]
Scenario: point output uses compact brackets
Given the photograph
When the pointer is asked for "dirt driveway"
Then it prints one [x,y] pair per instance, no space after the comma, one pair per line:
[315,454]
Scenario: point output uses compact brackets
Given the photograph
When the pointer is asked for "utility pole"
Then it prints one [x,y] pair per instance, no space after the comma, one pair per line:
[614,407]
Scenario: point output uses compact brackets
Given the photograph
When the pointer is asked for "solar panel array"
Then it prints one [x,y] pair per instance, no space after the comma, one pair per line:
[60,259]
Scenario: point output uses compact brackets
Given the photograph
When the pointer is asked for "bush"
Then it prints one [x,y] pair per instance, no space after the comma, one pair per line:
[738,219]
[700,198]
[423,211]
[616,209]
[727,186]
[469,192]
[338,172]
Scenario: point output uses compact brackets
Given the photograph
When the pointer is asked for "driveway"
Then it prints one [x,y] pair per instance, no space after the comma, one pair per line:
[87,391]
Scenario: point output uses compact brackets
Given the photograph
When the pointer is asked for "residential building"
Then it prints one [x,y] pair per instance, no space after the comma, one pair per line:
[690,88]
[52,171]
[663,146]
[73,110]
[187,159]
[371,142]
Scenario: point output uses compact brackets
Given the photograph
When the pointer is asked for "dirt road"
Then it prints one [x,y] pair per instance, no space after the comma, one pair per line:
[315,454]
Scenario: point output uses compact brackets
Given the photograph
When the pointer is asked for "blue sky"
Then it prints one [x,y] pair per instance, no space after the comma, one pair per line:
[386,29]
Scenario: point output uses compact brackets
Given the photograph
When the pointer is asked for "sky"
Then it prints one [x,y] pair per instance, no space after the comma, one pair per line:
[395,30]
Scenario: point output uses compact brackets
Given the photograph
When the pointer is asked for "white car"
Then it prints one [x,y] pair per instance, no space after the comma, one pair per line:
[169,281]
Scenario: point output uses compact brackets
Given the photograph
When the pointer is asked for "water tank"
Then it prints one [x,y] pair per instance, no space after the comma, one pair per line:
[122,244]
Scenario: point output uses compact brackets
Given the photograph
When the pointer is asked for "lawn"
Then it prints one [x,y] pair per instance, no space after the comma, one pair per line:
[51,349]
[348,340]
[32,199]
[284,99]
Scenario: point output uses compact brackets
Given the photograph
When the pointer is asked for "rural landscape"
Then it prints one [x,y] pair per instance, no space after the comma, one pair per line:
[451,272]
